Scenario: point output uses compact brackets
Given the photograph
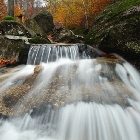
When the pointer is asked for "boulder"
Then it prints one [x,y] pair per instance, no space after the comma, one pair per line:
[55,96]
[14,49]
[37,69]
[45,21]
[67,36]
[12,41]
[58,26]
[32,24]
[117,30]
[15,28]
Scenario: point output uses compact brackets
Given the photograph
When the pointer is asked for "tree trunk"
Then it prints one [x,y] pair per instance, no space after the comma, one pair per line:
[25,6]
[16,2]
[11,8]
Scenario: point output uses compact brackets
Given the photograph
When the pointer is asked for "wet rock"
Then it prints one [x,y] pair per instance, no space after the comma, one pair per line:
[28,95]
[9,101]
[89,51]
[37,69]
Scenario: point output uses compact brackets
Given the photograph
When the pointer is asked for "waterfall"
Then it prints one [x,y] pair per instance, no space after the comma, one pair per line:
[70,97]
[51,53]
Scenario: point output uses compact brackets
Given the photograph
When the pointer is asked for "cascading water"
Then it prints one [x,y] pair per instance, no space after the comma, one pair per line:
[51,53]
[69,98]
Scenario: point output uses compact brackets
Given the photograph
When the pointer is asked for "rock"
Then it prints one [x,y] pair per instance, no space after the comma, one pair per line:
[14,49]
[54,95]
[117,30]
[45,21]
[32,24]
[9,101]
[23,54]
[58,26]
[15,29]
[67,36]
[9,48]
[81,32]
[39,40]
[12,39]
[89,51]
[37,69]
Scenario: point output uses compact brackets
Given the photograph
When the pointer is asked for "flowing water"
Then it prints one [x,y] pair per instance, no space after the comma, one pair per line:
[85,99]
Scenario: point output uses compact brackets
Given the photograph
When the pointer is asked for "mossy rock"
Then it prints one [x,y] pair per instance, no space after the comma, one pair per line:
[115,18]
[9,49]
[10,27]
[45,21]
[117,30]
[32,24]
[39,40]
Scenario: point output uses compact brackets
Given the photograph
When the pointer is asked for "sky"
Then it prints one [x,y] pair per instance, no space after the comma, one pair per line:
[42,2]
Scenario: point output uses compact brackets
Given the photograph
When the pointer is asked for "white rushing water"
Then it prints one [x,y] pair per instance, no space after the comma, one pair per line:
[76,122]
[98,118]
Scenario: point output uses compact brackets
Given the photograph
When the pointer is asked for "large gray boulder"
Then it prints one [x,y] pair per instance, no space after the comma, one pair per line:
[117,30]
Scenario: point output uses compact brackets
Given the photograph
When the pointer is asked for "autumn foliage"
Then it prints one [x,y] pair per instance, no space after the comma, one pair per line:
[19,12]
[71,13]
[76,13]
[5,62]
[3,9]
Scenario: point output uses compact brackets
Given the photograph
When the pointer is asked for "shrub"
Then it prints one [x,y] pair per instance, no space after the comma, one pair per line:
[9,18]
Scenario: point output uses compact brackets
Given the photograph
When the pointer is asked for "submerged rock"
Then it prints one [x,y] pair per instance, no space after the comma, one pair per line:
[117,30]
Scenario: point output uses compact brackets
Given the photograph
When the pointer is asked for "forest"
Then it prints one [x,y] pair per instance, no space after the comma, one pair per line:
[71,14]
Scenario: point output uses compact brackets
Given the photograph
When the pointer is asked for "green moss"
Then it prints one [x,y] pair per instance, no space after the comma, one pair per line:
[9,18]
[113,10]
[39,40]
